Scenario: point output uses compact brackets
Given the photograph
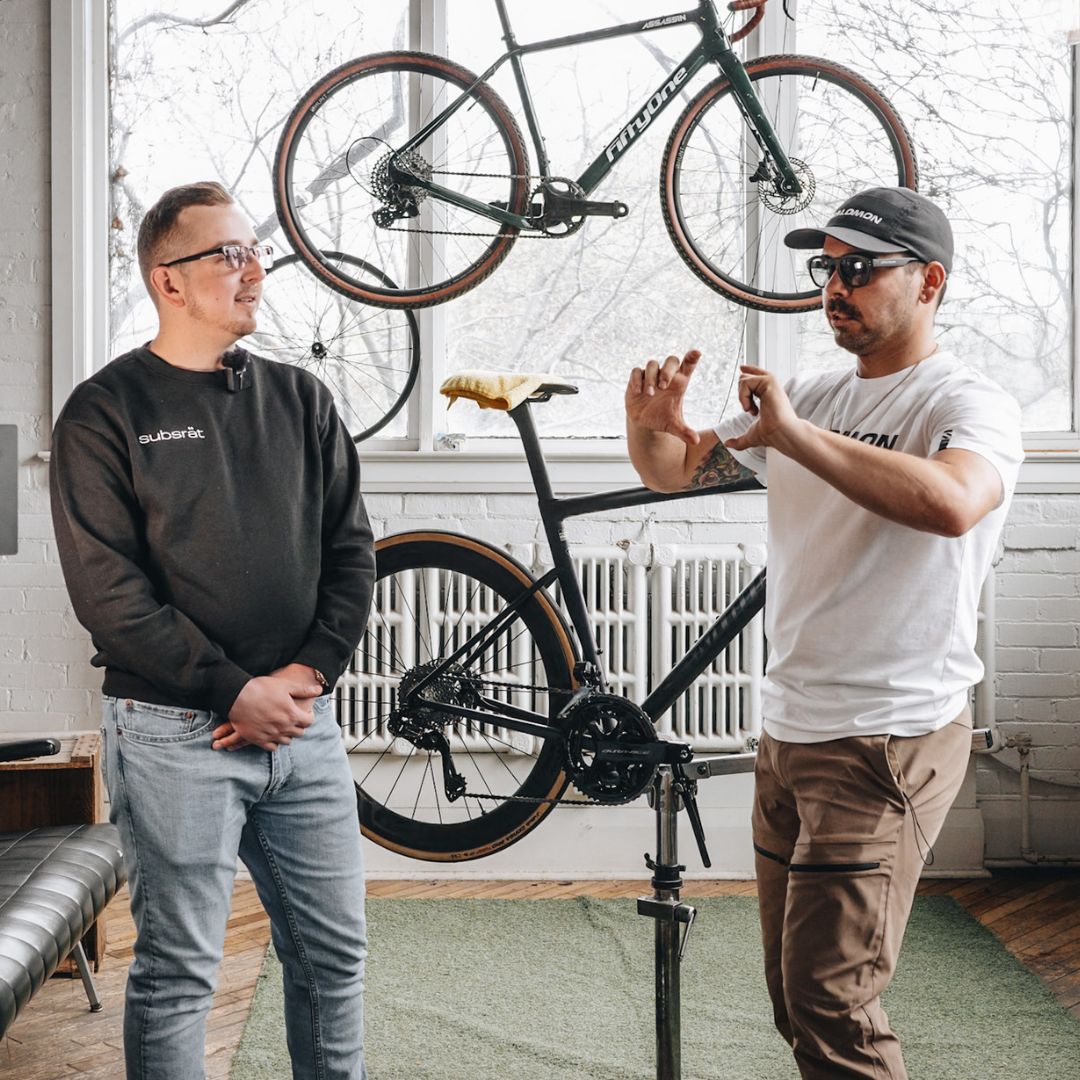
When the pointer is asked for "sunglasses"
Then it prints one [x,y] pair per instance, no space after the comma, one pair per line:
[235,256]
[854,268]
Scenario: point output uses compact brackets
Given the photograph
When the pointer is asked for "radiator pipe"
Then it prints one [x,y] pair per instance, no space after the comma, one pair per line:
[986,717]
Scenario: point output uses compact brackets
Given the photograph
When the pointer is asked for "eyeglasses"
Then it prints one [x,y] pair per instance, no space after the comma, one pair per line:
[854,268]
[235,256]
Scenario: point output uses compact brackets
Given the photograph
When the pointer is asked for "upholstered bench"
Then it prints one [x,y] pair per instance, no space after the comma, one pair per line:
[54,883]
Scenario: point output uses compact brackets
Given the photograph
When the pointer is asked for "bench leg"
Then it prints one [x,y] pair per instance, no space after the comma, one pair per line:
[87,978]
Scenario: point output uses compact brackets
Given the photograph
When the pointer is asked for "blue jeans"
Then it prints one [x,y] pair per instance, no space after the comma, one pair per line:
[185,812]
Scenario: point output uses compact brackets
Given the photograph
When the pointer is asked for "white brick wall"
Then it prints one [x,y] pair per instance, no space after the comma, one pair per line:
[1038,682]
[47,684]
[1037,640]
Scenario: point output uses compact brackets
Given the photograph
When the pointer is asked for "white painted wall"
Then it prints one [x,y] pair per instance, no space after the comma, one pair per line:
[47,684]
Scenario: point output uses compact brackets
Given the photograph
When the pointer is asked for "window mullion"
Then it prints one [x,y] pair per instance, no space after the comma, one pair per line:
[80,165]
[427,23]
[1074,277]
[771,338]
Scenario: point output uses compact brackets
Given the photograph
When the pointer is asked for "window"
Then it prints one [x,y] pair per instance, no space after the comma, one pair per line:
[200,89]
[986,90]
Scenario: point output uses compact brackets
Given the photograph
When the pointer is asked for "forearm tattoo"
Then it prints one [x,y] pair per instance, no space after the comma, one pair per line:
[718,467]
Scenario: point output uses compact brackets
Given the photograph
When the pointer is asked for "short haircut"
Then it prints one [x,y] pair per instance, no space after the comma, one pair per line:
[158,225]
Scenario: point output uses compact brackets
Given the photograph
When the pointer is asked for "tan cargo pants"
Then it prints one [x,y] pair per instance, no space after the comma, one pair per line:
[841,829]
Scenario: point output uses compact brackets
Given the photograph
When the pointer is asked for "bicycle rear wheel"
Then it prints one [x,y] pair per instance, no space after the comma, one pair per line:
[338,187]
[729,226]
[369,357]
[433,592]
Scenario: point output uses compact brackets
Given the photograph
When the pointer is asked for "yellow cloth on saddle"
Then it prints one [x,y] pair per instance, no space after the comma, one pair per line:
[492,389]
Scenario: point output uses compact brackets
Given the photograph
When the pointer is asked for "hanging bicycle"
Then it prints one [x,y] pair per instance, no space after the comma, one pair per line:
[410,163]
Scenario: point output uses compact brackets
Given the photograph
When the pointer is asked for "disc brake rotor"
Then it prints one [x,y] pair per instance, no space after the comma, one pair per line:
[780,203]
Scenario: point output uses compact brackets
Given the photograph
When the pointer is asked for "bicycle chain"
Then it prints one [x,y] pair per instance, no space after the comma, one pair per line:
[536,800]
[492,176]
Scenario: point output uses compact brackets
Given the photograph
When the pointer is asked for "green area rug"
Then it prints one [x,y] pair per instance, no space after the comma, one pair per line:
[558,989]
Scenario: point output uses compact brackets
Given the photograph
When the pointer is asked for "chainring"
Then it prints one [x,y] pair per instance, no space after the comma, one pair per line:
[612,721]
[556,192]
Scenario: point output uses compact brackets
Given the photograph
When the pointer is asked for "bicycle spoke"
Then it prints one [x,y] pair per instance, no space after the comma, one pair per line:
[837,144]
[401,771]
[364,354]
[338,162]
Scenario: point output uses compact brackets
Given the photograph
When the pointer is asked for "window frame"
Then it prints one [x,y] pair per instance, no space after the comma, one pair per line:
[80,65]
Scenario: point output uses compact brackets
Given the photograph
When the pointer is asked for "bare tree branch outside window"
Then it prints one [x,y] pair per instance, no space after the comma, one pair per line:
[200,89]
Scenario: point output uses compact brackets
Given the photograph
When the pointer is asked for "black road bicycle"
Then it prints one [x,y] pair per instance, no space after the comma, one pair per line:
[477,697]
[416,169]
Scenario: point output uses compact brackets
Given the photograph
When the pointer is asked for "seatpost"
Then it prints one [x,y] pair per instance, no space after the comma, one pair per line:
[504,18]
[552,517]
[534,455]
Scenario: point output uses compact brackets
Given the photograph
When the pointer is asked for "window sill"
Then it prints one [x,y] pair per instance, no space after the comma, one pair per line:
[576,471]
[1050,472]
[581,471]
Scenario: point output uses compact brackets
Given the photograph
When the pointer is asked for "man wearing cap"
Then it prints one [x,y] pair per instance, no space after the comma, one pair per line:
[888,484]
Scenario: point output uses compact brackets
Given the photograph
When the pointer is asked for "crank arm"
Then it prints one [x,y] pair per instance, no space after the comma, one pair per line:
[599,209]
[659,752]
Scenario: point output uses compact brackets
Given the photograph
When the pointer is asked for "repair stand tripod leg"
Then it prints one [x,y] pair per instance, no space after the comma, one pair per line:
[665,908]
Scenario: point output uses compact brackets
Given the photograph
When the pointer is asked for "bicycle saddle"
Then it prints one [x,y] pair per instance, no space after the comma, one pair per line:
[503,389]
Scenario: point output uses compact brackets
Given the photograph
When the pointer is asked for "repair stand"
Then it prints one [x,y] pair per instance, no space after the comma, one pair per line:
[675,787]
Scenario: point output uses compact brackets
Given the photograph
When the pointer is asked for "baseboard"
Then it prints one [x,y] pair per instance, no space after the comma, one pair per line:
[609,842]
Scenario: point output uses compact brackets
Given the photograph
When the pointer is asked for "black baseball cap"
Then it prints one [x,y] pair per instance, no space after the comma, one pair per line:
[886,219]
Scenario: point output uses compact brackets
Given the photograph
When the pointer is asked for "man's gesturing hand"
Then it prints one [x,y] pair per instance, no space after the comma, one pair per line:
[270,711]
[654,396]
[761,395]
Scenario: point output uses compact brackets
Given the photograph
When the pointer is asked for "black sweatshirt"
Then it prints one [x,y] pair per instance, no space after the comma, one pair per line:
[209,536]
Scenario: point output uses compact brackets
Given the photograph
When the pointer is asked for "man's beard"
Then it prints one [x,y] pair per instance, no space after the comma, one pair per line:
[239,325]
[856,337]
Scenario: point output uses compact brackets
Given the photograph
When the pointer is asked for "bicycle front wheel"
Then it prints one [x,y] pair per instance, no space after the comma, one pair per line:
[724,213]
[369,357]
[433,592]
[341,178]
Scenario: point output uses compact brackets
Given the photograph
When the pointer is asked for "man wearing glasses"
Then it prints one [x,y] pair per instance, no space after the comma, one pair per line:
[888,484]
[212,535]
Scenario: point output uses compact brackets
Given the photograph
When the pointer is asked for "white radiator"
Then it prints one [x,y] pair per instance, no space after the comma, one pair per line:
[648,605]
[691,586]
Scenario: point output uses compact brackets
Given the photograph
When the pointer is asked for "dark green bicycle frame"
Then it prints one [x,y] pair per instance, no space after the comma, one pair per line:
[714,46]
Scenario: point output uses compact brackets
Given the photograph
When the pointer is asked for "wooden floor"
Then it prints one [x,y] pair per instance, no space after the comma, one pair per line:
[1035,913]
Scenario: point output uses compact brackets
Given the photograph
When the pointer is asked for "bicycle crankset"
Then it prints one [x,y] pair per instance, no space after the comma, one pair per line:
[612,749]
[420,721]
[558,207]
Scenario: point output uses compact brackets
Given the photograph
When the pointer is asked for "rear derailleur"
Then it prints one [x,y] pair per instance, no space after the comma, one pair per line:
[420,721]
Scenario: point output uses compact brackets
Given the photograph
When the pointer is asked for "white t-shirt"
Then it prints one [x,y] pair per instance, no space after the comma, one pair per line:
[871,624]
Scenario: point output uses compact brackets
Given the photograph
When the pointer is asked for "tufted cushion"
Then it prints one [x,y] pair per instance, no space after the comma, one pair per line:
[54,883]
